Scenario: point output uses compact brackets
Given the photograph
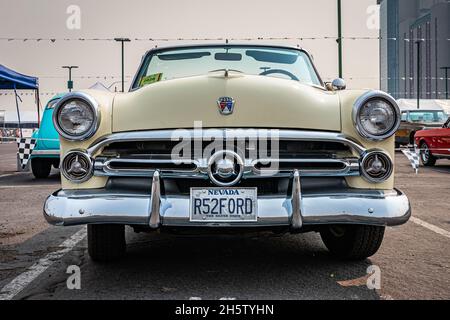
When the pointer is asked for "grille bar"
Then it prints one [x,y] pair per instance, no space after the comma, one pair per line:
[253,169]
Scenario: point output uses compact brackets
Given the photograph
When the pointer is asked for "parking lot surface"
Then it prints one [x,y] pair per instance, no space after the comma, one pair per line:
[414,259]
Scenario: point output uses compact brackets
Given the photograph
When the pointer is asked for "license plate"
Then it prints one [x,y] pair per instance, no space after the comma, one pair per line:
[223,204]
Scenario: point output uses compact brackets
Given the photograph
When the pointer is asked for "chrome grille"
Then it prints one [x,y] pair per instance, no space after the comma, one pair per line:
[142,153]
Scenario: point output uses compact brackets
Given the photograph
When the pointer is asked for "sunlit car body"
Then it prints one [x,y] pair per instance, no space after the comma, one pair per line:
[329,169]
[46,151]
[415,120]
[434,144]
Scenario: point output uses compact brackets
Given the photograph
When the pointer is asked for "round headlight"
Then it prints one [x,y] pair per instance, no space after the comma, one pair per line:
[376,115]
[76,116]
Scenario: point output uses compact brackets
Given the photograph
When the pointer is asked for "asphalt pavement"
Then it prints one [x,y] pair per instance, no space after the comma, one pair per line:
[414,260]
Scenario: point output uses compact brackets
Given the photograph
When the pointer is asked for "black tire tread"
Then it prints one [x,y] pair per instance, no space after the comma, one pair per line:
[360,242]
[41,168]
[106,242]
[367,242]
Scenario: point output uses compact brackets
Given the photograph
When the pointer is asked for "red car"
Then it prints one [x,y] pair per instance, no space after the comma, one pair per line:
[434,144]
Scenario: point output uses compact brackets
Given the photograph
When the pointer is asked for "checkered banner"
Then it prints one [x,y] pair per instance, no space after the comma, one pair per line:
[26,146]
[413,157]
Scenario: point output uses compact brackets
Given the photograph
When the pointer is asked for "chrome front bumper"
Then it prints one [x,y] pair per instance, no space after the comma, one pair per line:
[47,152]
[340,206]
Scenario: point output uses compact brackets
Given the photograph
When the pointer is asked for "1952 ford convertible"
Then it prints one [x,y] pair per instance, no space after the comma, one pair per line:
[224,138]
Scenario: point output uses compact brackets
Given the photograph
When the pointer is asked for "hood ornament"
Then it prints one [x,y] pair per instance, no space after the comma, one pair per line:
[226,105]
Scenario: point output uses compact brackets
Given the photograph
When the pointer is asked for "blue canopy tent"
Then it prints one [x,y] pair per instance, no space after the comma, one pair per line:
[12,80]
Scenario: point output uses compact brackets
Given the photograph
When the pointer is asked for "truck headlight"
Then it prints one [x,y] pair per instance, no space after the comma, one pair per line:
[376,115]
[76,116]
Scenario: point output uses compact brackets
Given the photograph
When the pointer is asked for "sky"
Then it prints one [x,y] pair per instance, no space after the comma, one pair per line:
[174,19]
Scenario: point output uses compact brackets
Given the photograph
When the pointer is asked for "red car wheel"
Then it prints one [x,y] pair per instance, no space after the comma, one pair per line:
[426,156]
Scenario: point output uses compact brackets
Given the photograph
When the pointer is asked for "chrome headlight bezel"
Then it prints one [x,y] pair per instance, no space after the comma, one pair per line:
[362,101]
[87,99]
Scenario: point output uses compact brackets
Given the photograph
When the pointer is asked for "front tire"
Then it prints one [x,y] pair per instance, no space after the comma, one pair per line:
[41,168]
[352,242]
[106,242]
[426,157]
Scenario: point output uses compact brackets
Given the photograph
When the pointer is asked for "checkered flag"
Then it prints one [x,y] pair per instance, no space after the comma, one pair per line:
[26,146]
[413,157]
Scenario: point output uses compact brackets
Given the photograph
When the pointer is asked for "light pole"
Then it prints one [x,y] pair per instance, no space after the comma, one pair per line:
[123,40]
[70,82]
[339,39]
[446,81]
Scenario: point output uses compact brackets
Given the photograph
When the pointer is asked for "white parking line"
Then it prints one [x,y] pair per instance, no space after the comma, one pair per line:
[10,174]
[431,227]
[23,280]
[27,186]
[9,157]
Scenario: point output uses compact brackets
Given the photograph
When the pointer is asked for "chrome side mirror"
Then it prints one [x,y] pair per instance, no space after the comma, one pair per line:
[339,84]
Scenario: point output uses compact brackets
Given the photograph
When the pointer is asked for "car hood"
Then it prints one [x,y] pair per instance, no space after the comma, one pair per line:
[264,102]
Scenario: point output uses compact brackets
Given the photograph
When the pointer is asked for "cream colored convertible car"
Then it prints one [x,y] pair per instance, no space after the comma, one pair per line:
[224,138]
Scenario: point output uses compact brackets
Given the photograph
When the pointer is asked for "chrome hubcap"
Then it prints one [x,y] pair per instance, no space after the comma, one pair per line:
[425,153]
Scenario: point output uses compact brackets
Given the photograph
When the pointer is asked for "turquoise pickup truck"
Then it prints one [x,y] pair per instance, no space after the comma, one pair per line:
[46,152]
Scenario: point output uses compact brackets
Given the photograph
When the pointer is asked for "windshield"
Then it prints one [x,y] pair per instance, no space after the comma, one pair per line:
[283,63]
[427,116]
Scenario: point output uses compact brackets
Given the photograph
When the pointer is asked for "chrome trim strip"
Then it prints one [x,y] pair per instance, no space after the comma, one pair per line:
[441,155]
[351,168]
[296,219]
[102,168]
[226,133]
[105,166]
[155,202]
[45,152]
